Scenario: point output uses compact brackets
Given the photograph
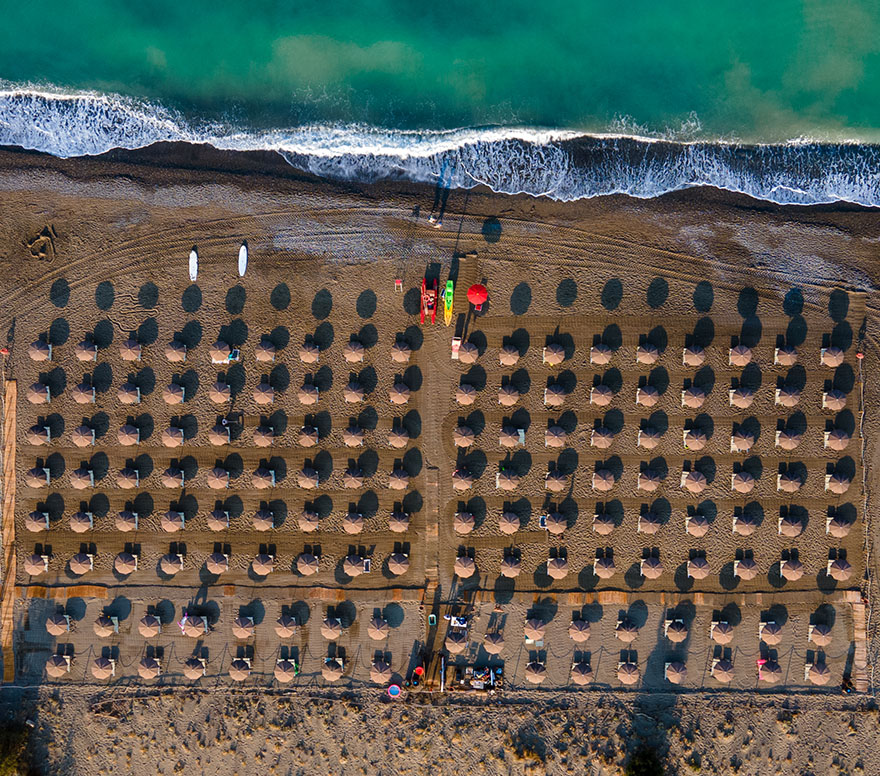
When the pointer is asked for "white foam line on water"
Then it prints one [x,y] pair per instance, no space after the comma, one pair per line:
[560,164]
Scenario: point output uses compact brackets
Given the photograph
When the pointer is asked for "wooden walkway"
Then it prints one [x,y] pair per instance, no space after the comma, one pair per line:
[7,531]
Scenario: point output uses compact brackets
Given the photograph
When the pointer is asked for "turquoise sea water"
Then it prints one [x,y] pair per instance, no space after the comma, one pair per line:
[520,95]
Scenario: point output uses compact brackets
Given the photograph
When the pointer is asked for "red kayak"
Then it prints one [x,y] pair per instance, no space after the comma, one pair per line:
[429,300]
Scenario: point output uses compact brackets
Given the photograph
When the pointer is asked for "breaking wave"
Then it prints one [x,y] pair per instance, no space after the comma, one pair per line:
[562,165]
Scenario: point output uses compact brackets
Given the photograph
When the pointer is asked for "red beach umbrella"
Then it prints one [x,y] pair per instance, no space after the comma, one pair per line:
[477,295]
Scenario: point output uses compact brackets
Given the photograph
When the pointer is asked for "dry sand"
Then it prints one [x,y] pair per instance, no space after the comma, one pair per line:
[100,246]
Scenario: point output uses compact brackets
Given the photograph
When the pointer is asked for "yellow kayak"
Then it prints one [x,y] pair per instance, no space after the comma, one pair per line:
[447,302]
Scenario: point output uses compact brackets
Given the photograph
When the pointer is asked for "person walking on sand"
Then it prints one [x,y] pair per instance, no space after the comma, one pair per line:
[441,195]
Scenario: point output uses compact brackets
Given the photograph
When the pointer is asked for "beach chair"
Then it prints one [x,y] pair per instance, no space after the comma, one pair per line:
[456,346]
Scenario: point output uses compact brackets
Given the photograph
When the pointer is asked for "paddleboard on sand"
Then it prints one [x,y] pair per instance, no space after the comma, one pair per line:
[193,265]
[242,259]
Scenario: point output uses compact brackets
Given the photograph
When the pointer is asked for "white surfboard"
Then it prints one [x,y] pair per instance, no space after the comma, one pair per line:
[242,259]
[193,265]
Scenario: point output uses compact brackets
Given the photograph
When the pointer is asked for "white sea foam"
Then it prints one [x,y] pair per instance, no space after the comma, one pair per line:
[560,164]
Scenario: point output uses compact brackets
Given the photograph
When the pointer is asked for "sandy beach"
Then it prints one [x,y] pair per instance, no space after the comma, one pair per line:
[95,251]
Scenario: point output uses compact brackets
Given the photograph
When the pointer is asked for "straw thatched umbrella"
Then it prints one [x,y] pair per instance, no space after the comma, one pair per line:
[175,351]
[693,355]
[103,668]
[722,671]
[698,568]
[104,627]
[493,643]
[332,670]
[603,480]
[400,352]
[263,564]
[307,395]
[463,436]
[398,438]
[38,435]
[83,393]
[353,523]
[557,568]
[217,563]
[740,355]
[217,478]
[130,350]
[149,626]
[604,568]
[194,626]
[456,642]
[555,482]
[35,565]
[468,353]
[263,478]
[465,394]
[693,398]
[787,396]
[83,436]
[128,435]
[82,478]
[172,521]
[675,672]
[647,396]
[600,354]
[770,633]
[744,524]
[264,436]
[819,674]
[173,394]
[40,351]
[218,520]
[741,442]
[462,479]
[398,479]
[506,480]
[331,628]
[243,627]
[285,627]
[125,563]
[464,567]
[579,631]
[832,356]
[172,437]
[507,395]
[741,398]
[285,671]
[353,436]
[648,438]
[463,523]
[581,673]
[239,670]
[742,482]
[791,569]
[838,527]
[398,522]
[80,522]
[534,629]
[307,564]
[264,394]
[785,356]
[39,393]
[79,564]
[694,482]
[510,567]
[648,480]
[380,672]
[837,483]
[263,520]
[833,400]
[353,565]
[647,354]
[309,353]
[353,392]
[787,440]
[626,631]
[839,570]
[651,568]
[194,669]
[676,631]
[36,522]
[650,522]
[770,672]
[509,356]
[58,624]
[149,668]
[378,629]
[820,634]
[790,526]
[307,478]
[352,478]
[836,440]
[535,673]
[555,523]
[695,439]
[171,564]
[399,393]
[628,673]
[264,351]
[745,569]
[86,351]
